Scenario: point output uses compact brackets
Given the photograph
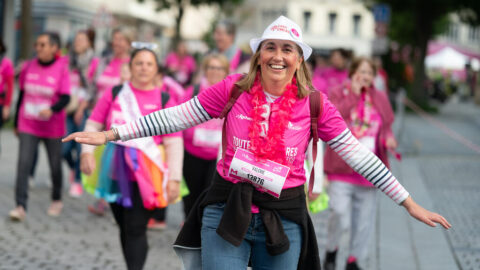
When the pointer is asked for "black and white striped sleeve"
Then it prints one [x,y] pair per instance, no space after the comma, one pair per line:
[170,120]
[366,163]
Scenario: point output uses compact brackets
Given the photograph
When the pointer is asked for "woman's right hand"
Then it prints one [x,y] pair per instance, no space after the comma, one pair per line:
[87,163]
[92,138]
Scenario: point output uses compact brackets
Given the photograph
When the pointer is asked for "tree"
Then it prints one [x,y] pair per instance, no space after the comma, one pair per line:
[180,6]
[416,22]
[26,29]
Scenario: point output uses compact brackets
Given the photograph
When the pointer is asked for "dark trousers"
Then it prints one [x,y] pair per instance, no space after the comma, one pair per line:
[198,175]
[71,149]
[132,223]
[26,158]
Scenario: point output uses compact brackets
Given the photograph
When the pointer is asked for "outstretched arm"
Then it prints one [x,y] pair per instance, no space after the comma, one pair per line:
[170,120]
[364,162]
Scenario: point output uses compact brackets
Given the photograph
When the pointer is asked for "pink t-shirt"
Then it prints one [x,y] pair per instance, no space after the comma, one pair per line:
[107,112]
[110,75]
[6,73]
[297,135]
[203,140]
[43,87]
[334,77]
[184,67]
[75,79]
[175,90]
[320,84]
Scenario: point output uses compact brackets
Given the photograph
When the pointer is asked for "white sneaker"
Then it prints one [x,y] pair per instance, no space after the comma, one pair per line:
[17,214]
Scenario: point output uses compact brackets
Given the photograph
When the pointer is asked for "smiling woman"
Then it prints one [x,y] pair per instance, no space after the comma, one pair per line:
[134,177]
[244,219]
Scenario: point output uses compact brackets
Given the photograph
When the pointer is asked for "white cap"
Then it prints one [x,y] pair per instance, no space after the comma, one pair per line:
[285,29]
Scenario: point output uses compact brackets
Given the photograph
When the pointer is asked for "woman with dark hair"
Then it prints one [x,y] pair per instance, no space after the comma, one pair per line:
[369,116]
[82,64]
[6,84]
[255,211]
[139,176]
[44,93]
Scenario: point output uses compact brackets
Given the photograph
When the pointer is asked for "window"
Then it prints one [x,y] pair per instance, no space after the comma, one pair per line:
[473,33]
[307,15]
[332,19]
[356,24]
[453,31]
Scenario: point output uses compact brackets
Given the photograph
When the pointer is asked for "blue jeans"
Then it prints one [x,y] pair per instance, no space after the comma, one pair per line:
[73,160]
[218,253]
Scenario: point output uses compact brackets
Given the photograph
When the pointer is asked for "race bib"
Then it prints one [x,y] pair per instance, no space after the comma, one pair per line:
[207,137]
[268,176]
[369,142]
[32,110]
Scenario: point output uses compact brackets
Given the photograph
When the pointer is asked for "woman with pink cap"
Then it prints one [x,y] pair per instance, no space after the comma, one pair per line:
[255,211]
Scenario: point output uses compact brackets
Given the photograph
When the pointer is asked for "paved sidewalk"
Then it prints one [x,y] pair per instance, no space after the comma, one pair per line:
[441,175]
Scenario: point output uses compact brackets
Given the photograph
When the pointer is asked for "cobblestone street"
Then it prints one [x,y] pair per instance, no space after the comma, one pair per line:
[441,175]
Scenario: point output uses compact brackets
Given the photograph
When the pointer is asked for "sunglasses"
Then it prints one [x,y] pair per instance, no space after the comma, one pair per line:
[215,68]
[40,44]
[144,45]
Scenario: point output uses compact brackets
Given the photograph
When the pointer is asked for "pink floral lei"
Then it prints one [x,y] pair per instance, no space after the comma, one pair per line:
[272,146]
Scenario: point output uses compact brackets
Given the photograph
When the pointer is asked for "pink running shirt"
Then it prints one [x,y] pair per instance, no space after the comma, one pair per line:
[297,135]
[6,75]
[107,112]
[110,76]
[200,140]
[43,87]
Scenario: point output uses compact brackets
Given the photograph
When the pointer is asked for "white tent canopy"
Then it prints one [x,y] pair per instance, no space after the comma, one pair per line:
[449,58]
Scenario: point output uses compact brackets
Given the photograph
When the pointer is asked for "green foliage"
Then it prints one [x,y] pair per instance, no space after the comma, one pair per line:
[227,6]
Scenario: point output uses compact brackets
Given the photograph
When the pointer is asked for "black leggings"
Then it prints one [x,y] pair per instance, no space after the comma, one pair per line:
[132,223]
[198,175]
[26,161]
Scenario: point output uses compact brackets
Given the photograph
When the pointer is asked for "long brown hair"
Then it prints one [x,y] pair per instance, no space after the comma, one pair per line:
[304,78]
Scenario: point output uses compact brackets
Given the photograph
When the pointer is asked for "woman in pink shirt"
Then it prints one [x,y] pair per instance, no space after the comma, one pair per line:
[44,93]
[255,210]
[369,116]
[139,176]
[337,74]
[107,75]
[108,71]
[6,84]
[180,64]
[202,141]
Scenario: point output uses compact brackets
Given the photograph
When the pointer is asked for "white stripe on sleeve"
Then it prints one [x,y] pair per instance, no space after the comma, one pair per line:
[364,162]
[165,121]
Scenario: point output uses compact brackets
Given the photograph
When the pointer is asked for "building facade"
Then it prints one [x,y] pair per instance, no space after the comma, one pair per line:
[326,24]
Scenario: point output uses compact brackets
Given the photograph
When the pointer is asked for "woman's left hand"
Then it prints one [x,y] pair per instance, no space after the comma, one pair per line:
[423,215]
[173,190]
[45,114]
[391,143]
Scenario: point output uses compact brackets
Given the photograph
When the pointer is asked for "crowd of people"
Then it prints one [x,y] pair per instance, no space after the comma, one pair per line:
[234,127]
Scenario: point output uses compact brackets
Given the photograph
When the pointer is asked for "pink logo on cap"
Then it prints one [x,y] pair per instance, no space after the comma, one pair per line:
[295,33]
